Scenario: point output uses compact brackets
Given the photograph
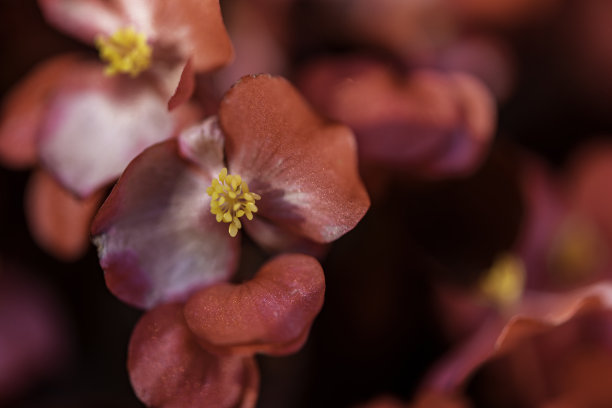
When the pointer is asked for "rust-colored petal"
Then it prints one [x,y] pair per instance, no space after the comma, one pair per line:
[24,110]
[304,167]
[169,369]
[59,221]
[196,28]
[156,238]
[272,313]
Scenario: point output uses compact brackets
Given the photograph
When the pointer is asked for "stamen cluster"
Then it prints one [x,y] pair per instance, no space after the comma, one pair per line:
[126,51]
[231,199]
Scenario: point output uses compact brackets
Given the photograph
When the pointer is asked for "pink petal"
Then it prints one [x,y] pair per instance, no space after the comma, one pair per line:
[83,19]
[470,140]
[24,110]
[168,368]
[58,221]
[304,167]
[388,127]
[430,123]
[96,124]
[196,28]
[272,313]
[156,238]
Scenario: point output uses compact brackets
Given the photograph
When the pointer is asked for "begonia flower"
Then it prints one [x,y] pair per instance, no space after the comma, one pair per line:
[287,173]
[83,122]
[207,345]
[429,123]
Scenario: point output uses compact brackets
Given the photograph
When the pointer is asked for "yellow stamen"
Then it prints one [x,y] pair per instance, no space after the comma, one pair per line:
[231,199]
[505,281]
[126,51]
[576,252]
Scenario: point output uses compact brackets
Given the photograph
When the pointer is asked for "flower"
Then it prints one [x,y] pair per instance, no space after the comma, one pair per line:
[157,239]
[83,123]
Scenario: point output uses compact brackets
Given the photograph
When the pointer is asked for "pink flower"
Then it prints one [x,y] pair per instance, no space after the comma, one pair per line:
[83,123]
[156,236]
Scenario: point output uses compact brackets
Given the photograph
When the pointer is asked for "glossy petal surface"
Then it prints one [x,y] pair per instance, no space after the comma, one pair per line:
[304,168]
[271,313]
[168,368]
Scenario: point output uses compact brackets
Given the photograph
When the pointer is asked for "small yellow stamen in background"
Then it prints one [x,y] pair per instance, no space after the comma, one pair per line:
[231,199]
[126,51]
[505,281]
[576,252]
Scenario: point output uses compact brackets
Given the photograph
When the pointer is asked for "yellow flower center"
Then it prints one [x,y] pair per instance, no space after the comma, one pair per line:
[231,199]
[505,281]
[126,51]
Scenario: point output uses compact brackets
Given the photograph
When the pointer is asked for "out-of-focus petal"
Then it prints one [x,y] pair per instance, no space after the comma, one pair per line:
[83,19]
[34,338]
[537,312]
[196,28]
[430,123]
[24,110]
[304,168]
[58,221]
[185,87]
[96,124]
[476,123]
[272,313]
[169,369]
[156,238]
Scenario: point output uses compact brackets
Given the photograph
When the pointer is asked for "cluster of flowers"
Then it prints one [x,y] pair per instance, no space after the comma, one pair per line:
[174,139]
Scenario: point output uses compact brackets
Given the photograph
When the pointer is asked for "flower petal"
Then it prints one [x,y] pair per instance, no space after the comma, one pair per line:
[83,19]
[196,28]
[58,221]
[272,313]
[156,238]
[304,168]
[429,123]
[24,110]
[169,369]
[96,124]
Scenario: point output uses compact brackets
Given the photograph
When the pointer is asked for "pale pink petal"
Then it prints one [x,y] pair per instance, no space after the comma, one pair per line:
[83,19]
[272,313]
[304,167]
[58,221]
[156,238]
[169,369]
[96,124]
[24,110]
